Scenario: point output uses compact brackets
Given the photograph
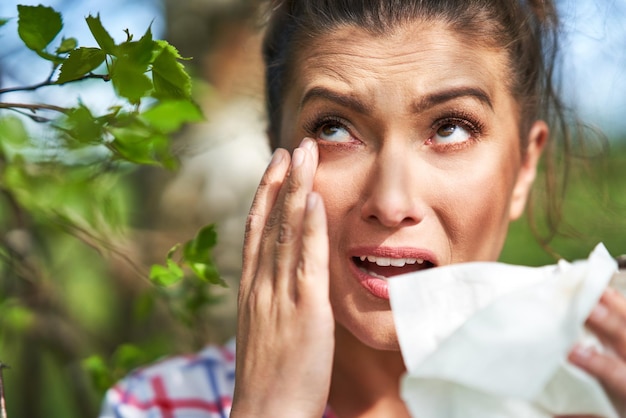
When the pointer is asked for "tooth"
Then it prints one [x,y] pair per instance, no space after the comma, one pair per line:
[420,261]
[383,261]
[371,258]
[363,257]
[411,260]
[398,262]
[371,273]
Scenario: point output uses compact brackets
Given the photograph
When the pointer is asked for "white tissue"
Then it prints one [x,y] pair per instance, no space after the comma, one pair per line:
[487,340]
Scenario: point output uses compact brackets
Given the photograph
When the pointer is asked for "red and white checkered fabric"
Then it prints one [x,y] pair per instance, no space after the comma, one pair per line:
[194,386]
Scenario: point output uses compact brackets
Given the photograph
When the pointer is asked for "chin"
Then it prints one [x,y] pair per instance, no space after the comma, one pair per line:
[375,332]
[387,343]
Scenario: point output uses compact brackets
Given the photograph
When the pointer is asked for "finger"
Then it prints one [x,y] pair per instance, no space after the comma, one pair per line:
[609,325]
[262,205]
[288,236]
[615,301]
[312,277]
[610,370]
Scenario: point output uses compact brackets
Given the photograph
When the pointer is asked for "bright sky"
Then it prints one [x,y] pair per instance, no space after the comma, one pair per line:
[595,60]
[594,49]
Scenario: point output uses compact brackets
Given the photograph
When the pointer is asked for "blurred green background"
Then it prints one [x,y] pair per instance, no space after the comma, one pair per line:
[78,316]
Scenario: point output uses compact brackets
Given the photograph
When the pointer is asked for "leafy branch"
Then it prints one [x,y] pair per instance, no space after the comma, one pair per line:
[143,70]
[65,180]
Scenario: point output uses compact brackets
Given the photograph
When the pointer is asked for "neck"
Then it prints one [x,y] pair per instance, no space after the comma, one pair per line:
[365,381]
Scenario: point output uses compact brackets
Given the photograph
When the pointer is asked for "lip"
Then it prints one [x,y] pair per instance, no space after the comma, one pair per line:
[376,286]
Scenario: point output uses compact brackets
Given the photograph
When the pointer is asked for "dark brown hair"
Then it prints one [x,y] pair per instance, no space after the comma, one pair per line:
[526,29]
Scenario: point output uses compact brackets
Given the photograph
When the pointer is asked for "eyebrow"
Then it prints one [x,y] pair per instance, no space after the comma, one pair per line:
[431,100]
[443,96]
[345,100]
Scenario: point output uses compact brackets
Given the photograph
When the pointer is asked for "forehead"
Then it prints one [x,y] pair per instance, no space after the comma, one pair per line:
[411,60]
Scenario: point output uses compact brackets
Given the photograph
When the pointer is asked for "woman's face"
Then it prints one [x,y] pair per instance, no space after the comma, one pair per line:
[420,159]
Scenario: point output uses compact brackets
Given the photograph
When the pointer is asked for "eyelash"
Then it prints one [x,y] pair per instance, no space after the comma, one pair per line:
[313,126]
[463,119]
[460,118]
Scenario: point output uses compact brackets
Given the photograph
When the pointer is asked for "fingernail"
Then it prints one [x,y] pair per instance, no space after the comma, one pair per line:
[581,353]
[298,157]
[307,143]
[311,201]
[599,312]
[277,157]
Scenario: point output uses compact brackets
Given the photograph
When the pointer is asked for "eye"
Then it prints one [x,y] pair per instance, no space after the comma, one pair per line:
[330,128]
[451,133]
[333,132]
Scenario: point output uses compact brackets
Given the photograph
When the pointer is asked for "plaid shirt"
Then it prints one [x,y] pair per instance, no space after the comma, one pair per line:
[194,386]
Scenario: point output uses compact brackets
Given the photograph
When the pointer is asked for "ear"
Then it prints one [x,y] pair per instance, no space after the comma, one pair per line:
[537,138]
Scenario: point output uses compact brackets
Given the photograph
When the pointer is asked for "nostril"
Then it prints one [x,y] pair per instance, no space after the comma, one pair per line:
[391,218]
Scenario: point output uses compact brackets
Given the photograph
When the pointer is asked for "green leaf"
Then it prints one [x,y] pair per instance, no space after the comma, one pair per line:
[142,146]
[101,35]
[139,53]
[99,371]
[3,21]
[172,251]
[197,253]
[171,81]
[199,248]
[165,276]
[67,45]
[208,272]
[164,44]
[38,26]
[80,62]
[130,80]
[128,356]
[82,126]
[168,116]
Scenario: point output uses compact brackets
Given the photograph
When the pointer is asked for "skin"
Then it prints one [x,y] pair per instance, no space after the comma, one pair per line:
[415,153]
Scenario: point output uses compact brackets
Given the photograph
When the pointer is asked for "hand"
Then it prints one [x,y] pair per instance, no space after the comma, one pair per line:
[608,322]
[285,336]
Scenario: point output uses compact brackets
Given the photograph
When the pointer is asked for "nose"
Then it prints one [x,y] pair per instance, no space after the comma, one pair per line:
[392,191]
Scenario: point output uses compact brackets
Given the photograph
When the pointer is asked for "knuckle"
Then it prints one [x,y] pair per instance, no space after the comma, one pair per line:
[292,185]
[252,224]
[271,223]
[286,233]
[302,268]
[250,302]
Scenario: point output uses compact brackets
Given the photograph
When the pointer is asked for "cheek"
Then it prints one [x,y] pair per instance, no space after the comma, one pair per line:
[337,183]
[475,208]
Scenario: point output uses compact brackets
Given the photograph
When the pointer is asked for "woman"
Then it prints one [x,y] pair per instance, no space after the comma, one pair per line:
[426,133]
[407,136]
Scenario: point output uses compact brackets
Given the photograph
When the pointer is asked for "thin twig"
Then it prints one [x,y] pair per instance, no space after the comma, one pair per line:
[98,244]
[49,82]
[3,406]
[33,107]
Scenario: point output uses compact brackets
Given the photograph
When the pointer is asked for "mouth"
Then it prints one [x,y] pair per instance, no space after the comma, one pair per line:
[386,267]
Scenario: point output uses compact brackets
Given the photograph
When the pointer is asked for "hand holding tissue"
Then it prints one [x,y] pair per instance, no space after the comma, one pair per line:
[486,340]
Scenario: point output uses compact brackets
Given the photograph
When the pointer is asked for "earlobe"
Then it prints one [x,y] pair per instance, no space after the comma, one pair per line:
[537,138]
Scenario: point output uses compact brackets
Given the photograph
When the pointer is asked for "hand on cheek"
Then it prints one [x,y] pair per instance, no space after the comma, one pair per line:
[608,322]
[285,335]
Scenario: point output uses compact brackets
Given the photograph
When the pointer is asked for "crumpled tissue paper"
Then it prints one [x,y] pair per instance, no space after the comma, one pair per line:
[487,340]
